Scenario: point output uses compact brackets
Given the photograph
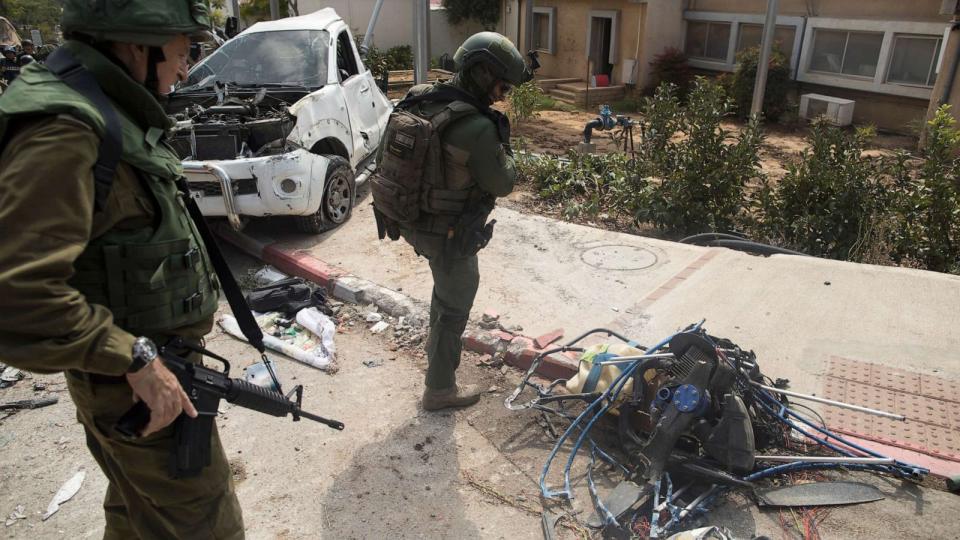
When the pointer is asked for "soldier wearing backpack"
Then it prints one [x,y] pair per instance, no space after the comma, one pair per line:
[445,159]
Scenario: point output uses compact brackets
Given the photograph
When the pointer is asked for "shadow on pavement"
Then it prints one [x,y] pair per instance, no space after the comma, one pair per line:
[404,486]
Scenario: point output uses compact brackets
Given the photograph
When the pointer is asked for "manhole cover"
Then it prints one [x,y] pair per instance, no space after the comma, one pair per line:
[619,257]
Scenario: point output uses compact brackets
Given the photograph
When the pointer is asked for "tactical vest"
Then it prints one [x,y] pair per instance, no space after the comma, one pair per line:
[155,279]
[449,200]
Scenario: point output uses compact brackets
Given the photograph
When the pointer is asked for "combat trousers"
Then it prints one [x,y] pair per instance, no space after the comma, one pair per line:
[142,501]
[455,282]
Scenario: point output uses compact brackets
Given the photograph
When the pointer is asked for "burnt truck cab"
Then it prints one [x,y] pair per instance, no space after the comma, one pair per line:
[282,120]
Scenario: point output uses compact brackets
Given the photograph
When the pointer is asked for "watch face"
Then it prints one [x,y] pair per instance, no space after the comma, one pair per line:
[144,350]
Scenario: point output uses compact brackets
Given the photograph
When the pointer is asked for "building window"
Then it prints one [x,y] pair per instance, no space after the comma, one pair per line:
[710,40]
[914,60]
[752,34]
[543,24]
[847,53]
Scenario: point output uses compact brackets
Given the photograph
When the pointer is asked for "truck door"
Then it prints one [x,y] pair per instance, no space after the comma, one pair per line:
[359,94]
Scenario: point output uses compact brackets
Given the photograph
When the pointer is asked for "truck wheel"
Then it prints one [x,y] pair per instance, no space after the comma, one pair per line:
[339,191]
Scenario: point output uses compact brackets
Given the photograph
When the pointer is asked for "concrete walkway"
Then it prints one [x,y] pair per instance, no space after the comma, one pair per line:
[799,314]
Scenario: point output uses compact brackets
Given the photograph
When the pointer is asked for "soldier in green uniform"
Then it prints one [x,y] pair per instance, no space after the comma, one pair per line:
[99,260]
[476,167]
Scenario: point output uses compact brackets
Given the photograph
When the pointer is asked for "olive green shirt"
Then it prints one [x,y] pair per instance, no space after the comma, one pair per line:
[46,220]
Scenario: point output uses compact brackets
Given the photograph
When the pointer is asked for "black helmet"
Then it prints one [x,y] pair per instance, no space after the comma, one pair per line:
[26,42]
[9,50]
[26,59]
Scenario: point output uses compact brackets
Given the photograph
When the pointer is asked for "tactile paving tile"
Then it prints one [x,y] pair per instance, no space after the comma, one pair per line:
[931,405]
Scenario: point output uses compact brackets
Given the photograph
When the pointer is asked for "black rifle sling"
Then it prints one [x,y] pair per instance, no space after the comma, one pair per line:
[69,70]
[248,324]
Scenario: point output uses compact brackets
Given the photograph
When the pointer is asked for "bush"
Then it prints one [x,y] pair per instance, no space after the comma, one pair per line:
[929,207]
[778,83]
[670,67]
[584,183]
[828,201]
[704,171]
[525,101]
[399,57]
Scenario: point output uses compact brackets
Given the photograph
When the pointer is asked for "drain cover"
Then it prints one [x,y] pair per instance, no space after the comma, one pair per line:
[619,257]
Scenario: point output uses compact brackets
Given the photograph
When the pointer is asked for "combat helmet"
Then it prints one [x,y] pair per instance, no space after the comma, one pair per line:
[495,52]
[142,22]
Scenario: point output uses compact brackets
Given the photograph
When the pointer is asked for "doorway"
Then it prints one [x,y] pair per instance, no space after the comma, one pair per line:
[601,34]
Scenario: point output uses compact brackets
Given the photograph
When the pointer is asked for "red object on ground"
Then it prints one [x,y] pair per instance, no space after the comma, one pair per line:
[548,338]
[602,80]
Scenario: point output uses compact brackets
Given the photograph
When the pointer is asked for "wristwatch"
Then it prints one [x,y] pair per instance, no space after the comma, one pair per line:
[144,352]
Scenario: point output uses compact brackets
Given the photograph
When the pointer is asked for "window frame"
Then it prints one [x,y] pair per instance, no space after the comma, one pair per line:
[934,67]
[706,43]
[551,13]
[735,20]
[879,83]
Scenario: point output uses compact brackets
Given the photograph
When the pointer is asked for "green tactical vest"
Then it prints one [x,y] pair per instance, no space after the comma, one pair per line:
[450,192]
[154,279]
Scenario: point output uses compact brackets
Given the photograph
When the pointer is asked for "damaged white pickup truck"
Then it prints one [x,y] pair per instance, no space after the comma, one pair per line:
[282,120]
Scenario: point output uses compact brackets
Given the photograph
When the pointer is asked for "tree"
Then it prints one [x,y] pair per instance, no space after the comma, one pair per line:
[485,12]
[44,15]
[259,10]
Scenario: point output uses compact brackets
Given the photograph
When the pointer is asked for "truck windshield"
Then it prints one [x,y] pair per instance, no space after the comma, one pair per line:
[289,57]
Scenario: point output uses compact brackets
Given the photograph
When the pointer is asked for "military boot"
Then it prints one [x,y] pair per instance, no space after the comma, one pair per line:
[456,396]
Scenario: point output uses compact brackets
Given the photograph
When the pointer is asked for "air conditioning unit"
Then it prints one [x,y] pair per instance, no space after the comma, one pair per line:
[838,111]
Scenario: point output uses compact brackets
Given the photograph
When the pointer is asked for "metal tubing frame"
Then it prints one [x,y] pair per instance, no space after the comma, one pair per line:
[831,402]
[226,186]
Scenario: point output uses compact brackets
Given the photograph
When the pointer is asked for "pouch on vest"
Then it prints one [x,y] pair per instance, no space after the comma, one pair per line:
[396,186]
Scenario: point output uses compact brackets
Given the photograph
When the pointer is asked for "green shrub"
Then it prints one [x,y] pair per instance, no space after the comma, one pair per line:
[929,208]
[584,183]
[828,200]
[703,172]
[778,83]
[374,59]
[399,57]
[525,101]
[670,67]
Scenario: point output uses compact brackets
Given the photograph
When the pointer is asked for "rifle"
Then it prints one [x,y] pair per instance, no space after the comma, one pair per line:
[206,387]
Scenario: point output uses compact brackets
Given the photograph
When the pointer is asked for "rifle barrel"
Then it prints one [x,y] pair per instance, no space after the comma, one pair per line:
[332,423]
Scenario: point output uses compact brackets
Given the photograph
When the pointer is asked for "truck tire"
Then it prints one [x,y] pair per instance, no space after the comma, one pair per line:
[339,192]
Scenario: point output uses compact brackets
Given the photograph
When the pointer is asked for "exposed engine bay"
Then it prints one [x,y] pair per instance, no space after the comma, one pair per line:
[233,126]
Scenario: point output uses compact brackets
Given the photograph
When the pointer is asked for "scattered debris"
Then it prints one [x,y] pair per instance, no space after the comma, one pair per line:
[302,345]
[16,515]
[493,389]
[696,419]
[28,404]
[373,362]
[39,386]
[489,320]
[374,317]
[10,376]
[552,336]
[818,494]
[379,327]
[65,493]
[953,484]
[704,533]
[267,275]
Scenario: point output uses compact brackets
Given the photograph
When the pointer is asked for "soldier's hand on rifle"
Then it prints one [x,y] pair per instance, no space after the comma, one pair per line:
[161,391]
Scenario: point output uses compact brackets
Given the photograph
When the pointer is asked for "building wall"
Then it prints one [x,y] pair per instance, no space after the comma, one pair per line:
[395,24]
[890,113]
[573,17]
[895,10]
